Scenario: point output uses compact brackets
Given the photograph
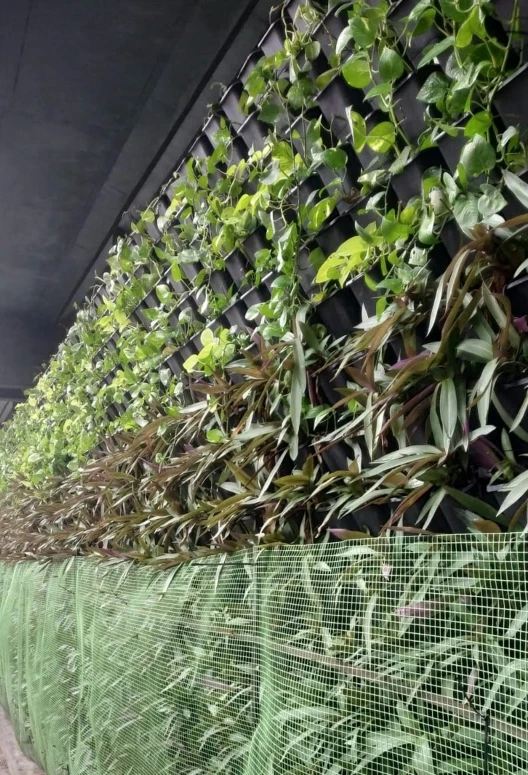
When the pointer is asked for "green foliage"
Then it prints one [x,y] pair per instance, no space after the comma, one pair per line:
[411,397]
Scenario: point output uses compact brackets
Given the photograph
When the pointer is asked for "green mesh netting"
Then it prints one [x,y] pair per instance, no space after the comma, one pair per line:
[376,657]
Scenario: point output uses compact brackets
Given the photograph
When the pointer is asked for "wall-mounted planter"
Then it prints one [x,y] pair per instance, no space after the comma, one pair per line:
[253,243]
[202,148]
[112,342]
[237,153]
[335,233]
[137,239]
[273,40]
[192,347]
[452,523]
[369,519]
[439,259]
[153,231]
[112,413]
[235,315]
[127,399]
[328,33]
[237,266]
[511,100]
[405,344]
[408,111]
[149,302]
[452,238]
[230,103]
[163,205]
[339,312]
[362,293]
[291,10]
[328,384]
[307,191]
[307,272]
[504,10]
[497,497]
[517,292]
[329,240]
[256,296]
[109,378]
[175,363]
[299,130]
[185,304]
[138,319]
[190,270]
[170,187]
[118,408]
[98,297]
[451,149]
[220,281]
[253,132]
[333,101]
[336,457]
[176,285]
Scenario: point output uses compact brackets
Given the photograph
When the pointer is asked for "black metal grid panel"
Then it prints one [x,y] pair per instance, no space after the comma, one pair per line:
[342,311]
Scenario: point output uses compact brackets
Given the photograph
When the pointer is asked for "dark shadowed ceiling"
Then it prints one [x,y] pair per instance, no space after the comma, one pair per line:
[98,100]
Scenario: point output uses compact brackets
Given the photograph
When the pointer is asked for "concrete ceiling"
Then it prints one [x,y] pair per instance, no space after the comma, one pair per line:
[98,101]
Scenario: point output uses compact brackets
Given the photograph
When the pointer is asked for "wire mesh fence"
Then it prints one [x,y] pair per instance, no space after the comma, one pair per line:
[384,656]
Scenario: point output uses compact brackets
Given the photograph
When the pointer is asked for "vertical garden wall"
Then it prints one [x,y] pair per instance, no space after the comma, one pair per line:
[324,308]
[316,332]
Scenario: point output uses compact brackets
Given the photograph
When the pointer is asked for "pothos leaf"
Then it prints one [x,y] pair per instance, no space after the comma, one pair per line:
[382,137]
[335,158]
[356,72]
[478,156]
[391,64]
[344,38]
[358,128]
[491,201]
[478,124]
[320,212]
[426,233]
[466,211]
[435,50]
[434,89]
[363,31]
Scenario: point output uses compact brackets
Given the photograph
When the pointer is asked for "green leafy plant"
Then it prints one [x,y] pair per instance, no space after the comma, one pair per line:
[285,396]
